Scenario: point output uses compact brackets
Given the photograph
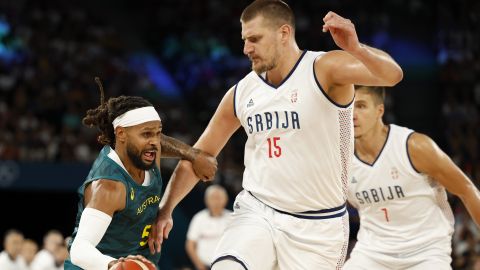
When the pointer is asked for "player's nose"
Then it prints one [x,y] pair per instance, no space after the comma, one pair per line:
[247,48]
[155,141]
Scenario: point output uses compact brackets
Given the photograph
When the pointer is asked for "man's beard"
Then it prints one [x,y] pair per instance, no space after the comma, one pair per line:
[136,158]
[264,67]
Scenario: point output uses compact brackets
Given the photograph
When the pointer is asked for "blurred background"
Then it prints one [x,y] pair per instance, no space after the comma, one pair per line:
[183,56]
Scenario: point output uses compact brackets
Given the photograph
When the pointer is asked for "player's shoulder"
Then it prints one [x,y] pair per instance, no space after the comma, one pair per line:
[412,135]
[330,57]
[251,76]
[419,141]
[423,152]
[420,145]
[107,188]
[251,81]
[400,130]
[330,62]
[109,183]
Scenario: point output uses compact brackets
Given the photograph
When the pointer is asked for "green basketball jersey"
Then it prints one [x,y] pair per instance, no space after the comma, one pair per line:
[128,232]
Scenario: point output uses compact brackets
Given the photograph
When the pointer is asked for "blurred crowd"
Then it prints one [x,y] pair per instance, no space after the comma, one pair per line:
[459,83]
[20,253]
[49,59]
[50,53]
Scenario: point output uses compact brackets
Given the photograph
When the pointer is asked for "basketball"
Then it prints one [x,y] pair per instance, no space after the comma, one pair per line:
[133,264]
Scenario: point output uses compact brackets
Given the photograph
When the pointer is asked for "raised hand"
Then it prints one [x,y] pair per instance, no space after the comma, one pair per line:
[160,230]
[342,31]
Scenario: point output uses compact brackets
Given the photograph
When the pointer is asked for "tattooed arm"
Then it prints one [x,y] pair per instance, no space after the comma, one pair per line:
[204,164]
[173,148]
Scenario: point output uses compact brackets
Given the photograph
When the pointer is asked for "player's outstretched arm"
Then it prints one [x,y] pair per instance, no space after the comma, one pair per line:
[102,198]
[204,165]
[221,127]
[428,158]
[357,63]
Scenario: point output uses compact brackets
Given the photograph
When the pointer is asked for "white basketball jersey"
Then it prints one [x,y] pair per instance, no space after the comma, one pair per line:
[401,210]
[300,144]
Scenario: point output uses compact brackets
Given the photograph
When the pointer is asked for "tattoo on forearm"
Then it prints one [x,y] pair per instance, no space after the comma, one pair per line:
[173,148]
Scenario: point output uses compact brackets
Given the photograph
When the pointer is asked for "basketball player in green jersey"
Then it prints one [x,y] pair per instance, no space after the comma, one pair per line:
[120,197]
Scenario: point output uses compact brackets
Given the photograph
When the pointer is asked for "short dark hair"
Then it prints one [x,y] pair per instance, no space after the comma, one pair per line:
[378,92]
[103,116]
[276,12]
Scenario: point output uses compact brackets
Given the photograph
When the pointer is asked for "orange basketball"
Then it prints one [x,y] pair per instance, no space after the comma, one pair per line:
[132,264]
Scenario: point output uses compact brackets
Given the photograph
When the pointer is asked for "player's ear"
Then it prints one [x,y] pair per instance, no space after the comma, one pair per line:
[286,32]
[380,110]
[120,134]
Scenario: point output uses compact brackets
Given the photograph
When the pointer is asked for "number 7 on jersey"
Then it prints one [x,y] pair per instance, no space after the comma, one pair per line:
[386,213]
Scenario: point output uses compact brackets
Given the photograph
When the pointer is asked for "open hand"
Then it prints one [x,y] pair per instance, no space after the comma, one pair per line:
[160,230]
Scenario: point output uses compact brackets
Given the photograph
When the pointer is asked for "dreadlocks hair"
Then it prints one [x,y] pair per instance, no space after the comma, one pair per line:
[103,116]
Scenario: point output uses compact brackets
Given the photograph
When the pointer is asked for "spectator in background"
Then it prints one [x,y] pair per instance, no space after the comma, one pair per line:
[9,257]
[207,227]
[29,250]
[60,255]
[45,258]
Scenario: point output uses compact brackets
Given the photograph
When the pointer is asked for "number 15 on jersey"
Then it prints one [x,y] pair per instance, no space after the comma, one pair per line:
[274,149]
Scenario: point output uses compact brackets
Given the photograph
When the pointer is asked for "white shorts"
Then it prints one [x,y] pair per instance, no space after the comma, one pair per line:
[262,238]
[433,258]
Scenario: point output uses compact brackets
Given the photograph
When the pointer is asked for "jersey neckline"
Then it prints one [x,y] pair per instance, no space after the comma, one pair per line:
[288,76]
[125,172]
[381,150]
